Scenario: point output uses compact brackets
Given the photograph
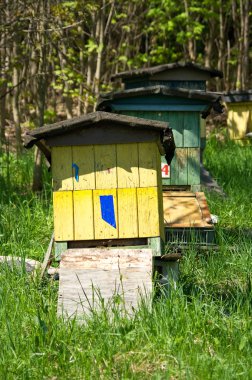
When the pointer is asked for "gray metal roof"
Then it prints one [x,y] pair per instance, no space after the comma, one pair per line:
[146,72]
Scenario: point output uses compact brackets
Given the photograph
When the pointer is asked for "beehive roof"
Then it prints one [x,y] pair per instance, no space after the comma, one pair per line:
[147,72]
[96,118]
[210,98]
[162,90]
[238,96]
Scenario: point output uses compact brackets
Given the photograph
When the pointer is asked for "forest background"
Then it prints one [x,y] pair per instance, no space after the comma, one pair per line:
[57,56]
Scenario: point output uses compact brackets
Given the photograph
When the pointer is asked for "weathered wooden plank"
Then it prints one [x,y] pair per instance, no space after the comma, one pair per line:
[178,194]
[183,211]
[148,212]
[179,175]
[83,157]
[205,213]
[148,165]
[103,229]
[90,277]
[59,248]
[62,174]
[191,129]
[105,166]
[193,166]
[63,215]
[104,258]
[127,213]
[127,165]
[176,121]
[83,215]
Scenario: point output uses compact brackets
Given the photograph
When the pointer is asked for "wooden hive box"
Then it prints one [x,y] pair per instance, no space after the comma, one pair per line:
[239,115]
[106,177]
[174,93]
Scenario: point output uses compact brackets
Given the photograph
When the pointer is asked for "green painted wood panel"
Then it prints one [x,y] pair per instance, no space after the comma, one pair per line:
[185,125]
[193,166]
[185,166]
[175,120]
[191,129]
[179,172]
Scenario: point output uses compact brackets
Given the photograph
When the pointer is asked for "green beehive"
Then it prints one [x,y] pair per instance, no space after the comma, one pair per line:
[174,93]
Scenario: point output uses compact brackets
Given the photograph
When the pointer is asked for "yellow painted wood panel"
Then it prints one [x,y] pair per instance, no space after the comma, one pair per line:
[237,120]
[83,215]
[127,213]
[161,213]
[62,173]
[127,165]
[63,215]
[148,212]
[159,172]
[83,156]
[148,164]
[104,230]
[105,166]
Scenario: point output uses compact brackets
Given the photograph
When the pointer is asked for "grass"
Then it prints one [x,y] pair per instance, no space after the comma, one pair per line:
[202,331]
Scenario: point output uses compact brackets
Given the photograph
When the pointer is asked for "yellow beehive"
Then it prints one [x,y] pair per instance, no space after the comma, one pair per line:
[126,172]
[239,114]
[106,176]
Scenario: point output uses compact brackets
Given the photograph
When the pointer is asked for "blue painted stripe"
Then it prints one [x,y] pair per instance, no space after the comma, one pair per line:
[107,209]
[76,172]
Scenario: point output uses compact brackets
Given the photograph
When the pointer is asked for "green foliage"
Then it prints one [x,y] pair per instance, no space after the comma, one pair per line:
[201,331]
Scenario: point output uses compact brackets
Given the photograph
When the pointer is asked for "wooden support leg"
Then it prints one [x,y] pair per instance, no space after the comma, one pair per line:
[157,246]
[169,273]
[59,248]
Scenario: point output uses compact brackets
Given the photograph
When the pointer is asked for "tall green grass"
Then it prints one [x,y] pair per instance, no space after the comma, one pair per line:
[26,218]
[203,330]
[231,165]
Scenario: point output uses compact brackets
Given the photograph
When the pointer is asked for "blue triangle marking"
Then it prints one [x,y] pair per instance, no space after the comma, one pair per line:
[107,209]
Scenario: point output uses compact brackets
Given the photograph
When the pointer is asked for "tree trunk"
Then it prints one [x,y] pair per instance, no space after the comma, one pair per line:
[3,88]
[220,44]
[245,56]
[15,102]
[37,184]
[66,96]
[191,54]
[100,25]
[41,93]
